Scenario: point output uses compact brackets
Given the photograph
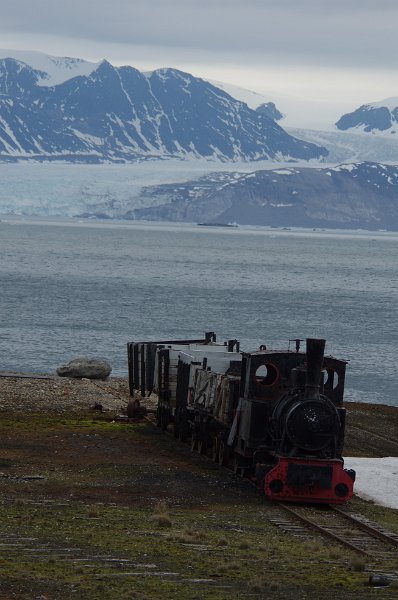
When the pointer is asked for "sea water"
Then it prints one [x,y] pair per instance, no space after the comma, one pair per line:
[70,288]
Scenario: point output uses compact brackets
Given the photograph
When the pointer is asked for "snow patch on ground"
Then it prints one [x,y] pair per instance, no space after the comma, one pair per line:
[348,167]
[376,479]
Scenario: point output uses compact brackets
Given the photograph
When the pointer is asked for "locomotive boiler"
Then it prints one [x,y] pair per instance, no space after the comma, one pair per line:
[275,416]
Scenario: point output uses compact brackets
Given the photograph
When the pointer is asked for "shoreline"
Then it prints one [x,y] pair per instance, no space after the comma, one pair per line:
[93,221]
[371,428]
[124,378]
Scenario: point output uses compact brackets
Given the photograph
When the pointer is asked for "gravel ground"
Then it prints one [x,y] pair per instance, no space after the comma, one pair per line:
[59,395]
[371,429]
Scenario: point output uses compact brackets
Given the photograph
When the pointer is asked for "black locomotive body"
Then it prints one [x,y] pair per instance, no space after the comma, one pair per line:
[274,416]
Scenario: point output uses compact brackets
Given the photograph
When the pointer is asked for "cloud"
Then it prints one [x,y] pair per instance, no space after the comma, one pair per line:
[345,33]
[340,53]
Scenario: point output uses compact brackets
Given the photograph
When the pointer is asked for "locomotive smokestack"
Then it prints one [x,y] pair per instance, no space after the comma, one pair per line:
[315,350]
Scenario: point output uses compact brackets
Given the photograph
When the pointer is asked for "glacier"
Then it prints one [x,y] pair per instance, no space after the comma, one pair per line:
[69,190]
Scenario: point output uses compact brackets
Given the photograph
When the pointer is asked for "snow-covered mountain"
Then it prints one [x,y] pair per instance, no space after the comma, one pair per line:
[54,69]
[60,108]
[352,196]
[377,117]
[316,124]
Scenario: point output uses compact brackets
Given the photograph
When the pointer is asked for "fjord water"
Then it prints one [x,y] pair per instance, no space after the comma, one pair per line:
[73,288]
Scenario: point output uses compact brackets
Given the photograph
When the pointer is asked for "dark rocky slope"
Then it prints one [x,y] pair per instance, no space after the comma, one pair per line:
[363,196]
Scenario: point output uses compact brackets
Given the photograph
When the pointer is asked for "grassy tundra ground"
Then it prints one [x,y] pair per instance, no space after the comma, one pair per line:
[92,508]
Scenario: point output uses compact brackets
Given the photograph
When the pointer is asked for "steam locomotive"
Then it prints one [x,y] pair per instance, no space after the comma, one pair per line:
[275,416]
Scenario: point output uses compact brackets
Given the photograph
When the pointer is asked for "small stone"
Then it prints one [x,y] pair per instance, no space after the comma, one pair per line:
[85,368]
[135,410]
[121,418]
[97,406]
[379,581]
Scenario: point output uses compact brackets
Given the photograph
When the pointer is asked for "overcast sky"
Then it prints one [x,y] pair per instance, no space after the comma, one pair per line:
[342,52]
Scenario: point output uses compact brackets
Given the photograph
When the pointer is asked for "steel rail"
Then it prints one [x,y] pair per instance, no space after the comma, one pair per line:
[384,536]
[325,531]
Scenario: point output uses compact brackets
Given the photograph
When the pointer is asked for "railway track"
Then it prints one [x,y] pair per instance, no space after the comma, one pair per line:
[352,531]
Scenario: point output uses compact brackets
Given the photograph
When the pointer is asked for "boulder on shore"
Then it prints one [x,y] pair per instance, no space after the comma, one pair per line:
[89,368]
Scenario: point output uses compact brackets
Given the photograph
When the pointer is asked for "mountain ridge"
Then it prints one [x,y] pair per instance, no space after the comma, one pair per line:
[376,117]
[118,114]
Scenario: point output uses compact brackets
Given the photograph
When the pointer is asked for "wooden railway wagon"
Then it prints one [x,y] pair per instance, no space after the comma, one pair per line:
[141,358]
[155,366]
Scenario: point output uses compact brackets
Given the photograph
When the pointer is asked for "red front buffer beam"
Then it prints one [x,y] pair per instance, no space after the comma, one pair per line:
[317,481]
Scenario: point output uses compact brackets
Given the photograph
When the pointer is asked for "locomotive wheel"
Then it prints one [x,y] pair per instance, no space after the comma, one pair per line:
[239,468]
[163,423]
[157,418]
[182,433]
[202,446]
[163,418]
[194,443]
[180,427]
[236,466]
[215,450]
[223,454]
